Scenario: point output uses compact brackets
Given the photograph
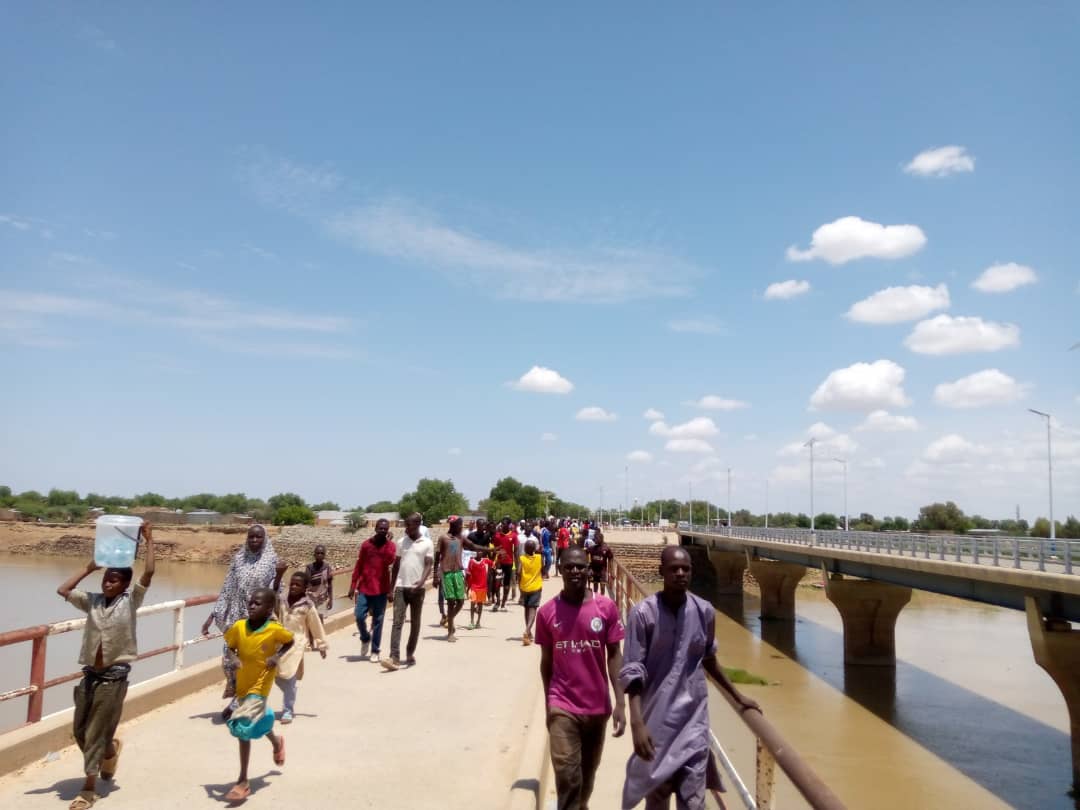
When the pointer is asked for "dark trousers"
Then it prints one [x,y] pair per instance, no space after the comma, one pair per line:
[577,741]
[99,702]
[411,599]
[376,606]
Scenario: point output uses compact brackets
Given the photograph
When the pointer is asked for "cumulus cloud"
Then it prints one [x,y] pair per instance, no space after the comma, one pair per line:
[454,451]
[594,413]
[1002,278]
[541,380]
[941,161]
[953,449]
[898,304]
[688,446]
[698,326]
[701,427]
[945,334]
[862,387]
[851,238]
[881,421]
[786,289]
[989,387]
[548,437]
[712,402]
[828,439]
[653,415]
[643,456]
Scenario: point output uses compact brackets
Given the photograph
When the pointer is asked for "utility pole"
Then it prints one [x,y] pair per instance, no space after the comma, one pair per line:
[626,476]
[601,504]
[811,444]
[1049,468]
[691,504]
[729,500]
[844,462]
[766,501]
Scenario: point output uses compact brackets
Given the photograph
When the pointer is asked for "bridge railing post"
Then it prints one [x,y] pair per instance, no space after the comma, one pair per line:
[975,549]
[996,550]
[37,679]
[941,548]
[957,540]
[178,637]
[1042,554]
[1068,556]
[1016,551]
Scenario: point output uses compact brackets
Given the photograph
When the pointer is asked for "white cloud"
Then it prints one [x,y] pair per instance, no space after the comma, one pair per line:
[750,437]
[282,183]
[548,437]
[712,402]
[14,222]
[945,334]
[829,442]
[851,238]
[98,38]
[884,422]
[875,463]
[862,387]
[786,289]
[989,387]
[594,413]
[653,415]
[953,449]
[542,380]
[454,451]
[639,455]
[688,446]
[400,231]
[698,326]
[941,161]
[898,304]
[701,427]
[1002,278]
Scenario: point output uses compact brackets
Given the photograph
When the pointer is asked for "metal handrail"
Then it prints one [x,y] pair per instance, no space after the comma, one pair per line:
[772,748]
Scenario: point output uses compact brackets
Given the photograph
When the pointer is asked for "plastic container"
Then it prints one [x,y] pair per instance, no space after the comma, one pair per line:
[115,540]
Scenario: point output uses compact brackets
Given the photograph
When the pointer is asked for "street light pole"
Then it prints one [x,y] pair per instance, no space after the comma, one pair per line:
[811,444]
[690,505]
[1049,469]
[626,473]
[843,461]
[766,501]
[729,500]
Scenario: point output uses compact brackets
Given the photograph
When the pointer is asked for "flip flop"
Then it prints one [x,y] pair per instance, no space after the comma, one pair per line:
[84,800]
[108,766]
[238,793]
[279,752]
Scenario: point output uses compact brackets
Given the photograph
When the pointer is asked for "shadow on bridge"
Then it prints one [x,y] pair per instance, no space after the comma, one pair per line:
[959,726]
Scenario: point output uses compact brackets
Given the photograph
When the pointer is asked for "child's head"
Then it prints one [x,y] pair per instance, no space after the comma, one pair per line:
[115,581]
[260,605]
[320,553]
[298,584]
[530,547]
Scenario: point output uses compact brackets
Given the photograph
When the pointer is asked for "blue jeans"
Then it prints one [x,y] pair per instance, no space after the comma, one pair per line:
[376,605]
[288,688]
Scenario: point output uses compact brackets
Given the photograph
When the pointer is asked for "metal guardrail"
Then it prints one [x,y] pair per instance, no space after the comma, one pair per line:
[772,748]
[1031,553]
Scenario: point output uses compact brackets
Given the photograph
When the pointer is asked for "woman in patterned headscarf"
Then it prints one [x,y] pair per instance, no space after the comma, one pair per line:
[256,565]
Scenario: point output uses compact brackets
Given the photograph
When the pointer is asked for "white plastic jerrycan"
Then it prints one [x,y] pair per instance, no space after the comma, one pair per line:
[115,540]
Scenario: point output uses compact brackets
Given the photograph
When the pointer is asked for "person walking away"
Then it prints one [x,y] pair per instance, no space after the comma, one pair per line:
[562,542]
[108,647]
[321,579]
[297,613]
[546,550]
[532,587]
[477,575]
[579,634]
[506,551]
[412,568]
[600,556]
[257,644]
[254,566]
[670,646]
[372,582]
[448,560]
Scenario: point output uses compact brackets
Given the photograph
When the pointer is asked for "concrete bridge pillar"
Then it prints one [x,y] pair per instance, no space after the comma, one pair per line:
[868,610]
[1057,650]
[777,581]
[728,568]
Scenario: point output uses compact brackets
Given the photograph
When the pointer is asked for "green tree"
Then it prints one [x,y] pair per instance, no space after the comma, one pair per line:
[826,521]
[292,514]
[384,506]
[435,499]
[32,495]
[497,510]
[1071,528]
[1041,528]
[943,517]
[326,506]
[528,497]
[61,497]
[235,503]
[146,499]
[6,498]
[275,502]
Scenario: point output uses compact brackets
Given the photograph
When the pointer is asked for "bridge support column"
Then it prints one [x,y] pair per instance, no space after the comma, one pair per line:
[777,581]
[728,567]
[868,610]
[1057,650]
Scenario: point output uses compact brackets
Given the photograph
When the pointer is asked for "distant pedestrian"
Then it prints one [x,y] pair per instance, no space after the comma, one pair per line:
[321,582]
[477,576]
[506,544]
[297,614]
[372,582]
[448,562]
[531,582]
[670,646]
[600,556]
[412,569]
[108,649]
[579,634]
[562,541]
[547,546]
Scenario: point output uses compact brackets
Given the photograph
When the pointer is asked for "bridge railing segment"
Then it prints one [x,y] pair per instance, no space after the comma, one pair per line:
[772,749]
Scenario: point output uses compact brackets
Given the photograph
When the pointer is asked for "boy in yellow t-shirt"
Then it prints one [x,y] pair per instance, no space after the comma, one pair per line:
[258,642]
[531,582]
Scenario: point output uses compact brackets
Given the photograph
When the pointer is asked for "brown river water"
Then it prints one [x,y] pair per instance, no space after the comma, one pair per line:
[966,719]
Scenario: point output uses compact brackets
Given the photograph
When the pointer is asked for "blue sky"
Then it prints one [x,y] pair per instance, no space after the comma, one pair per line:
[270,250]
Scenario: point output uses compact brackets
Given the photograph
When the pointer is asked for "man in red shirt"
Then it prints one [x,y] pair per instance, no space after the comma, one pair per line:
[505,547]
[563,541]
[371,584]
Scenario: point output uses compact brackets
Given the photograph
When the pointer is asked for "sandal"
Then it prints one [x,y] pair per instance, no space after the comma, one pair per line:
[279,752]
[85,799]
[108,766]
[238,793]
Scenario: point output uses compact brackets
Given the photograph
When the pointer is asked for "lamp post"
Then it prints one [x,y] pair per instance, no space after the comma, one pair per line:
[1049,469]
[811,444]
[766,501]
[729,500]
[844,462]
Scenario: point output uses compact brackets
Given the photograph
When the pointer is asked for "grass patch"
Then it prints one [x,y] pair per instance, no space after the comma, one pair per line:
[742,676]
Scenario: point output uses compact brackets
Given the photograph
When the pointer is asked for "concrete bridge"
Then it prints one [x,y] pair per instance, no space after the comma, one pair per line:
[1032,575]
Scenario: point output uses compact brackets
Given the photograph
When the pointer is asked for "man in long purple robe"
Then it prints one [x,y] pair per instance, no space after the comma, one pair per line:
[670,645]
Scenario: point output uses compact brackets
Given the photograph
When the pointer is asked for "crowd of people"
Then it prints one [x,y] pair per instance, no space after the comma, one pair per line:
[587,674]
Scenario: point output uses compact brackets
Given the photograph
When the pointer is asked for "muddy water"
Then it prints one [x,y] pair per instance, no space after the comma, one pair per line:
[966,720]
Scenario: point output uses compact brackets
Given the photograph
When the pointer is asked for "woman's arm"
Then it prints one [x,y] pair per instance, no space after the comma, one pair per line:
[69,584]
[147,532]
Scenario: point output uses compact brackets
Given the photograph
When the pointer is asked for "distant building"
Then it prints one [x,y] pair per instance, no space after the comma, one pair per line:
[204,517]
[329,517]
[371,518]
[159,515]
[10,514]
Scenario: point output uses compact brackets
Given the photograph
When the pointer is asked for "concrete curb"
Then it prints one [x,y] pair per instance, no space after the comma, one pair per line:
[533,776]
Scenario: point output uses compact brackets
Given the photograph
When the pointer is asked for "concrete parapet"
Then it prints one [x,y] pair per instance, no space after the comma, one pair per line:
[868,610]
[777,582]
[728,568]
[1057,650]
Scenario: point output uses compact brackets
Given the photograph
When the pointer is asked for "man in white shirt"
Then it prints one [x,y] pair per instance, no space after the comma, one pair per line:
[412,569]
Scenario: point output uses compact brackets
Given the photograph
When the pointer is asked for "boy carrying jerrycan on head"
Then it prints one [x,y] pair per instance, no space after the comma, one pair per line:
[108,648]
